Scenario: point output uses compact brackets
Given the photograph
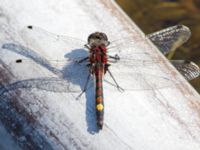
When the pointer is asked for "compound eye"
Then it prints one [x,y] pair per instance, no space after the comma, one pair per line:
[104,36]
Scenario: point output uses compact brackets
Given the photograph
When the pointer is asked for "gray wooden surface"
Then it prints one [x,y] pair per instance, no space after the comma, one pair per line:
[161,111]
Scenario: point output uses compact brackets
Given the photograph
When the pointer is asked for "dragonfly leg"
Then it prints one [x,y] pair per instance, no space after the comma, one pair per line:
[85,87]
[87,46]
[117,85]
[106,68]
[116,58]
[82,60]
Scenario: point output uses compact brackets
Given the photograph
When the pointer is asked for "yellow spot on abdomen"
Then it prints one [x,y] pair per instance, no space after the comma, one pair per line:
[99,107]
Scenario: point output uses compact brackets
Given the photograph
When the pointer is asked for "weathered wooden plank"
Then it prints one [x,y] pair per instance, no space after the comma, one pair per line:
[159,109]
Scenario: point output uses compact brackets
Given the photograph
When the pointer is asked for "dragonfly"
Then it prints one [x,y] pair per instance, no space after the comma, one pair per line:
[94,63]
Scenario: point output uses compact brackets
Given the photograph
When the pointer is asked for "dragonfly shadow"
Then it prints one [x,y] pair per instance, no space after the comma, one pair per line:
[75,73]
[80,73]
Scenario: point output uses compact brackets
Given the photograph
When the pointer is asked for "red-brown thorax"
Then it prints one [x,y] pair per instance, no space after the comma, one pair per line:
[98,55]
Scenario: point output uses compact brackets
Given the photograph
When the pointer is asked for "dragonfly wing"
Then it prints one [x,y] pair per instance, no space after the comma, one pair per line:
[136,54]
[125,43]
[52,45]
[188,69]
[131,77]
[170,38]
[45,51]
[73,80]
[52,84]
[136,68]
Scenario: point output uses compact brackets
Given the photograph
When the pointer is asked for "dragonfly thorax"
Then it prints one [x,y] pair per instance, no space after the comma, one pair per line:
[97,39]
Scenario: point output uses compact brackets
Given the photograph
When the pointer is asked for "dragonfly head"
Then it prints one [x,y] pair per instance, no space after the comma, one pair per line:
[98,39]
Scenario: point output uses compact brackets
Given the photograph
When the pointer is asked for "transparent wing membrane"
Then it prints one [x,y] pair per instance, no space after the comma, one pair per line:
[73,82]
[39,34]
[170,38]
[187,68]
[52,84]
[60,55]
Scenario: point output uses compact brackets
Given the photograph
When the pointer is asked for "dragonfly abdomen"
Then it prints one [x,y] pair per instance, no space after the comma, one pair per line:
[99,95]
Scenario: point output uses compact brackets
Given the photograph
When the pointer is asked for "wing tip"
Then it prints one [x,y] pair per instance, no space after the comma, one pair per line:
[195,65]
[186,30]
[189,69]
[30,27]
